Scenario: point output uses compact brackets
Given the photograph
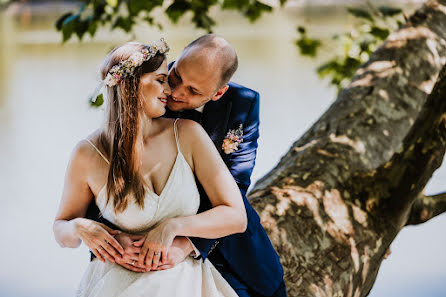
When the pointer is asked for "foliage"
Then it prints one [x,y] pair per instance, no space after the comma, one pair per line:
[371,27]
[124,14]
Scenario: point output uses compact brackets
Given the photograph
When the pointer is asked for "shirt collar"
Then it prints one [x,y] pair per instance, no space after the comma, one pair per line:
[200,109]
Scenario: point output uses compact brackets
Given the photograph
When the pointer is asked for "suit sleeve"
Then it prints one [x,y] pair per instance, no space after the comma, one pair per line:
[240,164]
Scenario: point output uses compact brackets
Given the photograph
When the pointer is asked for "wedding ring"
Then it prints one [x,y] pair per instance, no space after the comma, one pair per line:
[157,253]
[100,248]
[133,263]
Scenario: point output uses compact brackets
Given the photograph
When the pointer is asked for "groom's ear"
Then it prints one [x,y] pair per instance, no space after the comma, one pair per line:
[220,93]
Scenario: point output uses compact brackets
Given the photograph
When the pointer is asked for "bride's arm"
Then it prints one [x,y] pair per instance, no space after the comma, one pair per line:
[70,227]
[228,215]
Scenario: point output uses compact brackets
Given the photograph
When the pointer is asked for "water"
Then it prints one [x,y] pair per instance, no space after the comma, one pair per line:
[44,112]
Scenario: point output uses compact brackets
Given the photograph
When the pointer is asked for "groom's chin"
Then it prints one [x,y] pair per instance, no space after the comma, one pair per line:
[174,106]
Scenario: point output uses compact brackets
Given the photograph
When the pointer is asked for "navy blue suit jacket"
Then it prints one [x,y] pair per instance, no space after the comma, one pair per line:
[250,255]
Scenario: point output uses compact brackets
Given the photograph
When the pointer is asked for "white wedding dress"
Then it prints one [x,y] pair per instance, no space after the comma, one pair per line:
[190,278]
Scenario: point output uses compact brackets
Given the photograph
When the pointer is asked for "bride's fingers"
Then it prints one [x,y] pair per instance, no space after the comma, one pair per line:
[112,252]
[98,255]
[133,250]
[149,259]
[164,255]
[142,255]
[139,242]
[136,237]
[133,268]
[114,243]
[156,260]
[105,254]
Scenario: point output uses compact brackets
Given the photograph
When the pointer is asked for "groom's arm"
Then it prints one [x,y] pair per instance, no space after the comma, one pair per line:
[241,164]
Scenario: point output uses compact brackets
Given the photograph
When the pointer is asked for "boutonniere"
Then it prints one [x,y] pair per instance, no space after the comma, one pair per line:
[232,140]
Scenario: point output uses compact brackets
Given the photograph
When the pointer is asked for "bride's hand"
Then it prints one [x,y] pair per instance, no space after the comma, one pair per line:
[155,244]
[99,238]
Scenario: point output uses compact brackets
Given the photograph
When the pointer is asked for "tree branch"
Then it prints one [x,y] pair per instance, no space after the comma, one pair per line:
[426,207]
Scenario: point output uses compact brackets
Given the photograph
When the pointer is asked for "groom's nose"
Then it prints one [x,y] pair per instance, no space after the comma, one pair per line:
[178,91]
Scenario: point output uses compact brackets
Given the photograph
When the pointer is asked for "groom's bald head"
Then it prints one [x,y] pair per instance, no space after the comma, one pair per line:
[201,73]
[213,52]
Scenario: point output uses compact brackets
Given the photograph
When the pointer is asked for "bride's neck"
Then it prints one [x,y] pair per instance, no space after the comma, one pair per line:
[149,128]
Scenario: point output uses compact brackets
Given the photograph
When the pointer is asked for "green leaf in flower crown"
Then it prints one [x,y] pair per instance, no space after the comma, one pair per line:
[380,33]
[390,11]
[98,101]
[360,13]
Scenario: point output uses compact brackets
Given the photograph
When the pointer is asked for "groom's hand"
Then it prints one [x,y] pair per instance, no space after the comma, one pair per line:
[131,253]
[178,251]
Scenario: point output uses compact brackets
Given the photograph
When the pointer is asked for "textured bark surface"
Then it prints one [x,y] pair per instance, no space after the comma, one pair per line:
[335,202]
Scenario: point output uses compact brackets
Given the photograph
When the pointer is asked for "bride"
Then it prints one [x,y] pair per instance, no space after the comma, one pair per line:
[140,170]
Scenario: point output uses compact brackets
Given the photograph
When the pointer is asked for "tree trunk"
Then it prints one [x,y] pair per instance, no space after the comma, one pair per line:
[335,202]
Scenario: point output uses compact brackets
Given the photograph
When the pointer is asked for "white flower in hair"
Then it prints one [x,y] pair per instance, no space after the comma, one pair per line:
[126,68]
[110,80]
[137,59]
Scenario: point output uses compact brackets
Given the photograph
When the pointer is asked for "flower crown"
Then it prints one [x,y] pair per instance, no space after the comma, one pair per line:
[126,68]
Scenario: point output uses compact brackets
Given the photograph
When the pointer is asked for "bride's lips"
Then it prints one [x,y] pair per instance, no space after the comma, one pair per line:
[164,100]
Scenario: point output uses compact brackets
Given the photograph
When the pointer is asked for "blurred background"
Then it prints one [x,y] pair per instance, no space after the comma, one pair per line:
[44,112]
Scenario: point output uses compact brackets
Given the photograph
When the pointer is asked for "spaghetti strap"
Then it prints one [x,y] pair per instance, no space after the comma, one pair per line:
[175,129]
[99,152]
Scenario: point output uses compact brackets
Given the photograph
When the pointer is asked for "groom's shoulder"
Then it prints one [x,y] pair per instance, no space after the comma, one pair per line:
[237,91]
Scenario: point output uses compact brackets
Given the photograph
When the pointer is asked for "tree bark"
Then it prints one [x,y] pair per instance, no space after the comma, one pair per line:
[335,202]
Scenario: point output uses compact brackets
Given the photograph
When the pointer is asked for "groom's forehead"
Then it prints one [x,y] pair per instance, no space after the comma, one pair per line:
[196,70]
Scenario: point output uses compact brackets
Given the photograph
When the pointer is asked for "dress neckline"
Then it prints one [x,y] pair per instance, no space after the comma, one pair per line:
[148,190]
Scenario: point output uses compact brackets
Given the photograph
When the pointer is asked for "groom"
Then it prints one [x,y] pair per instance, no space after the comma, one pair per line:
[201,91]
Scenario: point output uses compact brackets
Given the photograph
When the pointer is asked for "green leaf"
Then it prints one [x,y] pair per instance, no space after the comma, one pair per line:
[123,23]
[327,68]
[308,47]
[349,67]
[380,33]
[255,10]
[81,27]
[360,13]
[202,20]
[59,22]
[68,26]
[136,6]
[112,3]
[177,9]
[98,101]
[92,28]
[235,4]
[364,45]
[282,2]
[388,11]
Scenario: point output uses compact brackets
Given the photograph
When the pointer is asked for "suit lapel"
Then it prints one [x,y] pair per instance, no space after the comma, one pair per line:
[215,120]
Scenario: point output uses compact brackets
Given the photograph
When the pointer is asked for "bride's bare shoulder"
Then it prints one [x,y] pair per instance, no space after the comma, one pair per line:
[192,134]
[84,152]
